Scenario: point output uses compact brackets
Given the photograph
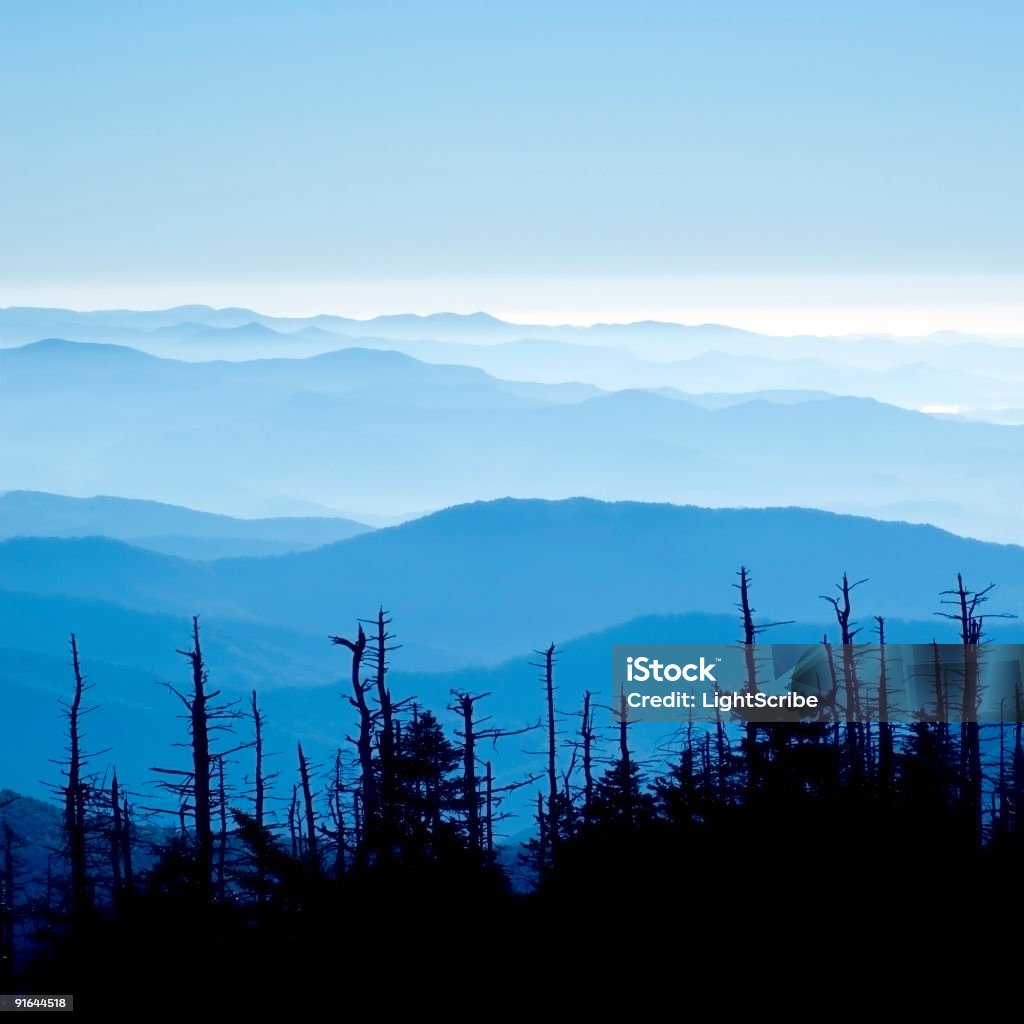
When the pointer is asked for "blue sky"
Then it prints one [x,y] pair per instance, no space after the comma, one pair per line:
[580,160]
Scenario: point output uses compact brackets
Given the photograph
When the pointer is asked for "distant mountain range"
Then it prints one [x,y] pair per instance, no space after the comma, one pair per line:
[378,432]
[168,529]
[945,369]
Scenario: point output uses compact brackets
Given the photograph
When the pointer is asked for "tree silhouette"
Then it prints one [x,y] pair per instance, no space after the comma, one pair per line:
[834,802]
[194,789]
[968,616]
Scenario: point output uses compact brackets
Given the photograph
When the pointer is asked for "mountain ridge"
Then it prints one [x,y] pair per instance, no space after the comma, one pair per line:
[469,583]
[164,527]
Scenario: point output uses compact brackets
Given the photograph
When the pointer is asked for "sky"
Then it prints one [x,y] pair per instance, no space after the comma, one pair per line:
[780,165]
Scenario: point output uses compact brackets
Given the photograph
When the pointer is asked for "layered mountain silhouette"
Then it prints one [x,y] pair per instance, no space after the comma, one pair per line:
[378,432]
[474,584]
[941,369]
[169,529]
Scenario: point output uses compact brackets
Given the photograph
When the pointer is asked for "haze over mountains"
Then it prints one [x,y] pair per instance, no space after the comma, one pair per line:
[979,376]
[372,433]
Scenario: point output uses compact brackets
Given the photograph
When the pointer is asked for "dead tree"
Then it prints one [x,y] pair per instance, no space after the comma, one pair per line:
[363,743]
[554,816]
[76,792]
[967,614]
[294,825]
[307,801]
[587,745]
[472,734]
[74,807]
[120,852]
[540,860]
[222,831]
[851,683]
[336,810]
[750,634]
[195,788]
[115,833]
[885,745]
[126,845]
[199,725]
[464,707]
[260,783]
[489,812]
[832,697]
[843,611]
[377,658]
[624,767]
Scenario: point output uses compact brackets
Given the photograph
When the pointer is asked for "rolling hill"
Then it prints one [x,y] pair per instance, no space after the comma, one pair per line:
[168,529]
[474,584]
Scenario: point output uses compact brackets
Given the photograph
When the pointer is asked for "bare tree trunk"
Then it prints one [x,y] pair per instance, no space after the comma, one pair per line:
[749,636]
[195,789]
[967,615]
[471,735]
[116,836]
[970,738]
[357,822]
[587,736]
[364,746]
[338,811]
[469,781]
[549,691]
[540,864]
[222,832]
[74,809]
[259,797]
[202,795]
[259,782]
[489,781]
[126,845]
[293,823]
[885,749]
[842,607]
[307,797]
[625,765]
[386,735]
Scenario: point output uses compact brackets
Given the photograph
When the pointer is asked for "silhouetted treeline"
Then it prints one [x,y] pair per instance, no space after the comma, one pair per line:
[222,872]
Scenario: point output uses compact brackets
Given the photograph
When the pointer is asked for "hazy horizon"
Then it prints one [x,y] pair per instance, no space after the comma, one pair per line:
[537,303]
[783,168]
